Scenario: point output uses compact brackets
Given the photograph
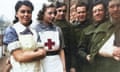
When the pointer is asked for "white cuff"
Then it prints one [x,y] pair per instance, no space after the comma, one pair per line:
[40,45]
[14,45]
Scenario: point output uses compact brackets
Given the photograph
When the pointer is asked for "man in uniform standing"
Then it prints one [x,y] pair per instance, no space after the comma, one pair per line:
[92,39]
[79,25]
[67,30]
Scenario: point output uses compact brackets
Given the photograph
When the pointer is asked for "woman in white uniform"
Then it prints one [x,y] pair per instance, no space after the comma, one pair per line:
[23,42]
[51,38]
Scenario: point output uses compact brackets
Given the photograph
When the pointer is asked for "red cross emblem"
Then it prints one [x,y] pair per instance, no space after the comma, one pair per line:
[49,44]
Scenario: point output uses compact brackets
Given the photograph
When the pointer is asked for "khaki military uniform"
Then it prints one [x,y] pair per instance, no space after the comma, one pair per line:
[78,28]
[92,39]
[69,39]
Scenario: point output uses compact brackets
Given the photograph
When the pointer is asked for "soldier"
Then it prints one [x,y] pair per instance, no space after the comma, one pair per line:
[79,25]
[110,51]
[92,39]
[104,50]
[66,27]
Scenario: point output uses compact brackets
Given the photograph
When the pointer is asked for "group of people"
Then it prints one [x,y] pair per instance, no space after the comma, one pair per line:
[98,40]
[37,47]
[55,45]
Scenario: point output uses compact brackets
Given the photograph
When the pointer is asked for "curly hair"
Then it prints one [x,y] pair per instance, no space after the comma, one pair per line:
[42,11]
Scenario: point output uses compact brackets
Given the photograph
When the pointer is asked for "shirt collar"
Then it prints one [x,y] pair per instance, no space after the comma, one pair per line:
[47,27]
[20,27]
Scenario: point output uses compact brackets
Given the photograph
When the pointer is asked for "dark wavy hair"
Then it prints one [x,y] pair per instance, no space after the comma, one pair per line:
[97,3]
[60,4]
[19,4]
[104,6]
[79,4]
[42,11]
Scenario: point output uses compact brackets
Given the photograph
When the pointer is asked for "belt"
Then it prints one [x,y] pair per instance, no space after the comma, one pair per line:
[50,53]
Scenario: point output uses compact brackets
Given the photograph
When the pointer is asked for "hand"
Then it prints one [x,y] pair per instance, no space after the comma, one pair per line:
[41,52]
[72,69]
[64,69]
[8,66]
[7,61]
[88,57]
[116,58]
[116,52]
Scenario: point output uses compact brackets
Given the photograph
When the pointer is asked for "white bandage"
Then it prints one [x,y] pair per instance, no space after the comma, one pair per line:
[107,49]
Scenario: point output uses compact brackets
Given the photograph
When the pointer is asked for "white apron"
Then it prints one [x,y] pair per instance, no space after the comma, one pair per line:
[26,42]
[51,41]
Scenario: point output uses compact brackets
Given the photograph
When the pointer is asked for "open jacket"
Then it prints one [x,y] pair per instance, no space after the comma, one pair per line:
[93,37]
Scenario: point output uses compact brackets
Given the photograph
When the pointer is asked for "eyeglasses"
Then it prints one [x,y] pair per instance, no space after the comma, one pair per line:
[61,11]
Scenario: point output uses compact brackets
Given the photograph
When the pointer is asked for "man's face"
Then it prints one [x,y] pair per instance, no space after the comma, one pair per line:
[98,13]
[61,13]
[81,13]
[114,9]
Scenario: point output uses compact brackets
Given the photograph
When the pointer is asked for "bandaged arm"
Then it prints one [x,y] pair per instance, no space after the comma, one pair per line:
[107,49]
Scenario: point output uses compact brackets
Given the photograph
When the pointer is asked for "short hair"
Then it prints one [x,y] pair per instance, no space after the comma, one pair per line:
[59,4]
[19,4]
[44,8]
[82,4]
[97,3]
[114,0]
[104,6]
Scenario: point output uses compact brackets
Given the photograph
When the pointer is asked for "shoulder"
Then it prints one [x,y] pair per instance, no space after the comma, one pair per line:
[89,27]
[57,27]
[34,25]
[62,23]
[9,29]
[105,25]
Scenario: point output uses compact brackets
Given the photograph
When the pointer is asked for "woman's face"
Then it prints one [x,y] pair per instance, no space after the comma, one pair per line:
[49,15]
[24,15]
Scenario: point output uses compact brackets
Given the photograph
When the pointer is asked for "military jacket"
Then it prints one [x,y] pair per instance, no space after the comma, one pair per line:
[70,43]
[78,28]
[92,39]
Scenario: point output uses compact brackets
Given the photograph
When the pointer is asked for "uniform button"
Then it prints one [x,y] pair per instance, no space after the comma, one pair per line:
[103,39]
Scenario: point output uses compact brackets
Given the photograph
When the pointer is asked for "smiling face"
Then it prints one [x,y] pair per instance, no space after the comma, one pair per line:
[114,9]
[49,15]
[61,13]
[81,13]
[24,15]
[98,12]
